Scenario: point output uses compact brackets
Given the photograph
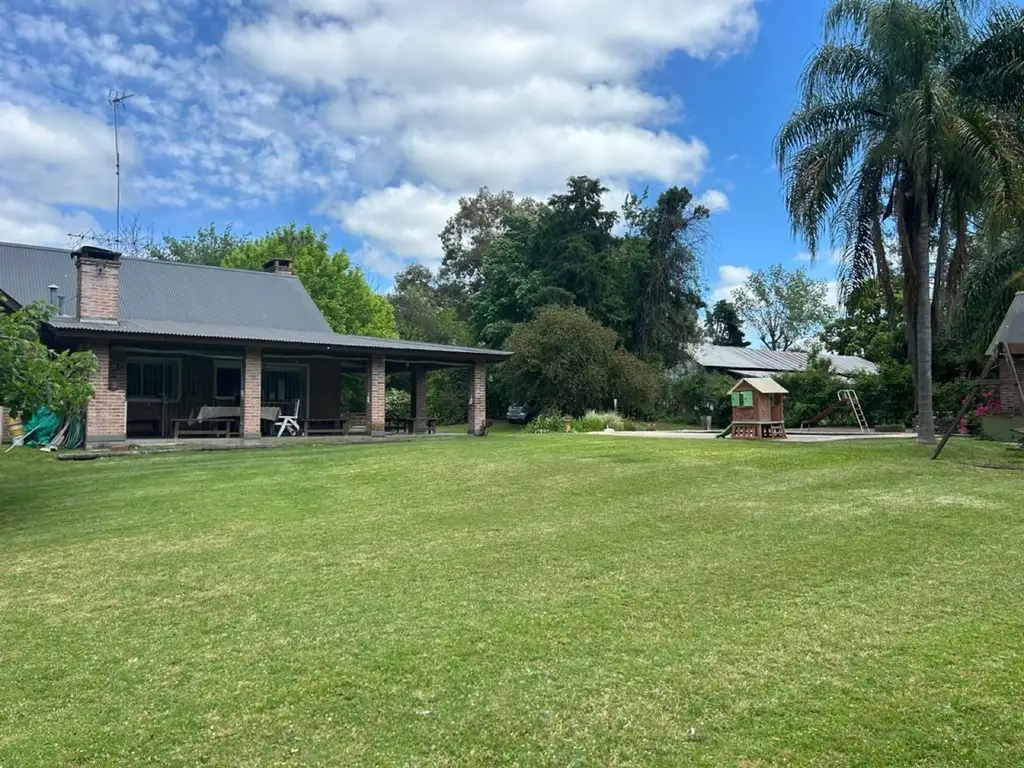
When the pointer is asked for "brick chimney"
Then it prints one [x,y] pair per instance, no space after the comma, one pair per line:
[278,266]
[99,283]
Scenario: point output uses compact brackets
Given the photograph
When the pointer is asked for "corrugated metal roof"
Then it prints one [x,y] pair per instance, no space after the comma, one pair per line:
[1012,329]
[764,360]
[172,299]
[765,386]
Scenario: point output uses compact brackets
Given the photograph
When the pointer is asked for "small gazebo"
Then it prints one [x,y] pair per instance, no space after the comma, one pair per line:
[757,410]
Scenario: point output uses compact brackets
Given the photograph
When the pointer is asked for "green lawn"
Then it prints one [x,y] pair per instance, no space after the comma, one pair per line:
[520,600]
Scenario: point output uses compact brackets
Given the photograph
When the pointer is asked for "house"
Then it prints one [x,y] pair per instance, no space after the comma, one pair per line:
[172,339]
[1008,348]
[763,363]
[757,409]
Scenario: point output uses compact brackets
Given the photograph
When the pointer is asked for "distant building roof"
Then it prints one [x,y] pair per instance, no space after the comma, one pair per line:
[747,361]
[765,386]
[164,298]
[1011,331]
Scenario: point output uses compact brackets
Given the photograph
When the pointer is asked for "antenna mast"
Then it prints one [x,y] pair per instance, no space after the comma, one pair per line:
[117,99]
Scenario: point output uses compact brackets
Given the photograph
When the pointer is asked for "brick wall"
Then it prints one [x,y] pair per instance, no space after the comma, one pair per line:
[252,392]
[1009,398]
[105,414]
[98,288]
[376,384]
[477,398]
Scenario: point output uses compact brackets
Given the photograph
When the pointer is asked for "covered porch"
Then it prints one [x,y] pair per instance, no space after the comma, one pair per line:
[161,391]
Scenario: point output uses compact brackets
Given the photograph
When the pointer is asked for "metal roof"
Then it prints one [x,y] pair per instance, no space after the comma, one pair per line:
[748,359]
[166,298]
[1011,331]
[763,385]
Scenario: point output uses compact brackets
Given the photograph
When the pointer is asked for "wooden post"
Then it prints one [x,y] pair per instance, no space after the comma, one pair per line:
[1013,370]
[967,404]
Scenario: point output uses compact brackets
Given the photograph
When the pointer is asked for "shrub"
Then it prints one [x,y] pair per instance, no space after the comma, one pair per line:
[448,396]
[638,386]
[887,397]
[561,360]
[811,392]
[397,403]
[595,421]
[546,423]
[701,394]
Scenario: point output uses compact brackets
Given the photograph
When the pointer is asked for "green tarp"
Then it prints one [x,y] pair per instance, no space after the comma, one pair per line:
[41,428]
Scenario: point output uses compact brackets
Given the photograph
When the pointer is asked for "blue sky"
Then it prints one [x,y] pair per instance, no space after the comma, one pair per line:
[369,118]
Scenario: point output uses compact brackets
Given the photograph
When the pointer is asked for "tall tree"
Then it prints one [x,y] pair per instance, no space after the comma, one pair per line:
[723,325]
[467,236]
[783,308]
[207,246]
[421,312]
[660,272]
[339,289]
[896,120]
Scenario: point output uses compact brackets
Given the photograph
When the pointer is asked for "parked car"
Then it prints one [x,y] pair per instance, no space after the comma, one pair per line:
[521,414]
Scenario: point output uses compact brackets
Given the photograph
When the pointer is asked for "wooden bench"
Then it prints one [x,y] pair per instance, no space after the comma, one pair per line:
[328,426]
[207,428]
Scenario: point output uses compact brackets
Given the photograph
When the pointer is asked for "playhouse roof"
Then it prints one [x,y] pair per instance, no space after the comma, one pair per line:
[764,386]
[1011,331]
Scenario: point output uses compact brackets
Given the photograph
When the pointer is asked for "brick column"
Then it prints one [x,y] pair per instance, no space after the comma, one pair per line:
[105,415]
[3,425]
[477,398]
[252,393]
[376,387]
[419,400]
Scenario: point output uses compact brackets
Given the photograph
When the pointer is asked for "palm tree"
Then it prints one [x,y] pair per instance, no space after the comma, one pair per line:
[893,125]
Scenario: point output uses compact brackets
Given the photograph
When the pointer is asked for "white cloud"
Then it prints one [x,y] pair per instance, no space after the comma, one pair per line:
[404,220]
[379,112]
[23,221]
[730,277]
[714,200]
[57,155]
[543,156]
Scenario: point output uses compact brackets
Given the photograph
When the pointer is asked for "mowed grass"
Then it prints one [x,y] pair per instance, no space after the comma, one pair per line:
[519,600]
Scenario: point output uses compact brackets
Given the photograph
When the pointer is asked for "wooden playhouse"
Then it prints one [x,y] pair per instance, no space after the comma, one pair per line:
[757,410]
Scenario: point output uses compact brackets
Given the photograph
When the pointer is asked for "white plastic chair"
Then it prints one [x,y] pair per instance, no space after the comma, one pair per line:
[289,424]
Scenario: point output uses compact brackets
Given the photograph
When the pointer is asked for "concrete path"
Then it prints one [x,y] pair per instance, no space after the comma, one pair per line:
[793,437]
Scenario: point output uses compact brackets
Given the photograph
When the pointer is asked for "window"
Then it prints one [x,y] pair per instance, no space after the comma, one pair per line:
[747,399]
[154,379]
[227,380]
[735,399]
[771,398]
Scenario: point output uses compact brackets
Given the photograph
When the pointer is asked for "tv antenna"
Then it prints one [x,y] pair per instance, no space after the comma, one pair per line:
[117,100]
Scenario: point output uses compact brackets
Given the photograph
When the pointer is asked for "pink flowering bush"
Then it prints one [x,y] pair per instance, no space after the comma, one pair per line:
[987,405]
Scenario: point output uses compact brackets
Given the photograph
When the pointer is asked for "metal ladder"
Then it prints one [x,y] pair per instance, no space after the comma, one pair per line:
[850,396]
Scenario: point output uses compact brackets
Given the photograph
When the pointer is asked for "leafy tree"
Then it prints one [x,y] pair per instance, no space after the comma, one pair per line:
[865,329]
[909,110]
[467,236]
[562,361]
[339,289]
[421,312]
[702,394]
[638,386]
[207,246]
[783,308]
[32,375]
[660,273]
[723,325]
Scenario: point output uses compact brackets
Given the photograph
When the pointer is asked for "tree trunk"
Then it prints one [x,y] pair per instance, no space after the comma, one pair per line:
[940,266]
[883,272]
[904,226]
[922,240]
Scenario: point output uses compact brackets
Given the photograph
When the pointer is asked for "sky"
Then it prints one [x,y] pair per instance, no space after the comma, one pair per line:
[370,118]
